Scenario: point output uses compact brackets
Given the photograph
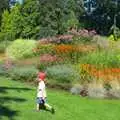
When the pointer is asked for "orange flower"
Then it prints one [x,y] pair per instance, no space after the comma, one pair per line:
[107,74]
[73,48]
[64,48]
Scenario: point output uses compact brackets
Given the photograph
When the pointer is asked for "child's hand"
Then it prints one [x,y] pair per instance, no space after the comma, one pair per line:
[43,98]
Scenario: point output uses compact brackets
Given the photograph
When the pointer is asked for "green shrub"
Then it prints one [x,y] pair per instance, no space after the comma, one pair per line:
[38,19]
[7,36]
[72,21]
[62,73]
[111,37]
[3,72]
[4,4]
[45,32]
[102,59]
[3,46]
[11,24]
[81,39]
[41,67]
[44,49]
[21,48]
[26,73]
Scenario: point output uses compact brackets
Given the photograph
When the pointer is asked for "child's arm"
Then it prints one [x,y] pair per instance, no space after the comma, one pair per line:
[43,97]
[43,93]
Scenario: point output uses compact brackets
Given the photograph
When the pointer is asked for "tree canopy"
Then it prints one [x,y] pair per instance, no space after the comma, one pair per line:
[4,4]
[42,18]
[103,17]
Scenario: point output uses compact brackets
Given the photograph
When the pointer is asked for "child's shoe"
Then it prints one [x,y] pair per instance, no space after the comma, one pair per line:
[52,110]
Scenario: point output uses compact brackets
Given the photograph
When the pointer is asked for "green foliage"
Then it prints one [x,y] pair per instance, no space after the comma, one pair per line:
[111,37]
[44,49]
[21,48]
[37,19]
[4,4]
[105,14]
[11,24]
[62,73]
[45,32]
[21,21]
[41,66]
[81,39]
[26,73]
[3,72]
[72,21]
[30,14]
[4,45]
[7,36]
[102,59]
[115,31]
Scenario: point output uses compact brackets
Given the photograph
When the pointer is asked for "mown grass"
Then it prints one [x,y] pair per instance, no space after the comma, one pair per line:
[17,102]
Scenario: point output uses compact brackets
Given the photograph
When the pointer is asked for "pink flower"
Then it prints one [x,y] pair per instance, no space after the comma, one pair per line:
[47,58]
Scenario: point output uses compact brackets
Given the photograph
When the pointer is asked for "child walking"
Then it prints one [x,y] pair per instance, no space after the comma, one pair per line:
[41,92]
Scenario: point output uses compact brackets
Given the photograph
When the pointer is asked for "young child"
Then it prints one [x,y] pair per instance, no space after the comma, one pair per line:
[41,92]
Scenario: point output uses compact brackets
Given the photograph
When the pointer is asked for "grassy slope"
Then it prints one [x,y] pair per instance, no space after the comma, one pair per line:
[18,102]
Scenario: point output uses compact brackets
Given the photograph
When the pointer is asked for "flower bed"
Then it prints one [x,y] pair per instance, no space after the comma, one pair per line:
[106,74]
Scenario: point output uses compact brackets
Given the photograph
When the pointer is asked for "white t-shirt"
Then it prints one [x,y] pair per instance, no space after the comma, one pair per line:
[41,92]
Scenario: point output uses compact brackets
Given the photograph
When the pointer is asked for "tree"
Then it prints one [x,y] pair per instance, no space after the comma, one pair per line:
[11,24]
[103,17]
[42,18]
[72,22]
[4,4]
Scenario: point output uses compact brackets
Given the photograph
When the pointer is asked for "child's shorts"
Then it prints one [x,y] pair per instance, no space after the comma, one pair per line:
[40,100]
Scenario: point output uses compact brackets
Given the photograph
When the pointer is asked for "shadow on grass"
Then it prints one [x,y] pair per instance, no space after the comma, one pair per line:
[5,111]
[5,89]
[9,99]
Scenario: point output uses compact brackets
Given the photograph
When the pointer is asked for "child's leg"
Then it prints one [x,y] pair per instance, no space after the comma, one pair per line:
[48,106]
[38,106]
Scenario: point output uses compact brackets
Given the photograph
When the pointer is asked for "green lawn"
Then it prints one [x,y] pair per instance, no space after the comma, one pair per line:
[17,102]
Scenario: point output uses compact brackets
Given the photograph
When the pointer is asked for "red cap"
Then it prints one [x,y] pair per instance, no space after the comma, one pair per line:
[41,75]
